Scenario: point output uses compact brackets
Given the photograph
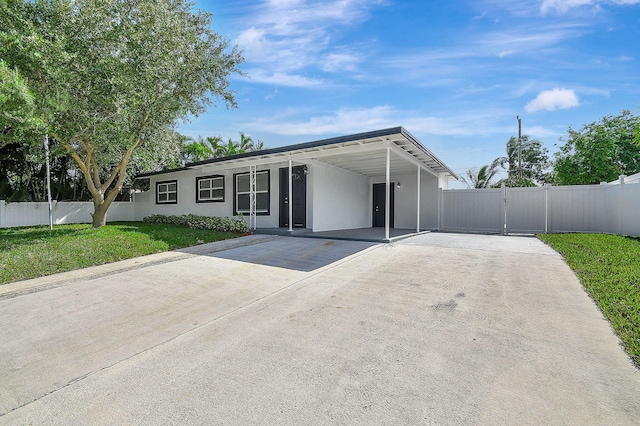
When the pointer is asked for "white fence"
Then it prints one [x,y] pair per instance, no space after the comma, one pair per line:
[29,214]
[610,208]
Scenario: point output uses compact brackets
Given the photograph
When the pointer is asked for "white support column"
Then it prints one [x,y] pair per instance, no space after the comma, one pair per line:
[290,196]
[387,197]
[418,203]
[253,220]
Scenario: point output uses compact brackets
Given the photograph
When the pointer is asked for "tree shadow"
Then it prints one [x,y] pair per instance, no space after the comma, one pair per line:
[21,236]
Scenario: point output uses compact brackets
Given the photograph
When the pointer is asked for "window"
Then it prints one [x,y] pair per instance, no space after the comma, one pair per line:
[209,189]
[242,188]
[167,192]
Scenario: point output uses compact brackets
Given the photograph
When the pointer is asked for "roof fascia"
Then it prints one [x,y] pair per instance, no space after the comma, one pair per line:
[424,149]
[411,159]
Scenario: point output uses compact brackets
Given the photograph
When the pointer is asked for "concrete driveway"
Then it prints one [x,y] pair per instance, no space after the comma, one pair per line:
[435,329]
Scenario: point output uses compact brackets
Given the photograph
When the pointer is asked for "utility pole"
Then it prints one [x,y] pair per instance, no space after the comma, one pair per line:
[46,150]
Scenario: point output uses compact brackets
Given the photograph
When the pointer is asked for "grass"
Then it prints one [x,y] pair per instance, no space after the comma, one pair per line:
[36,251]
[609,268]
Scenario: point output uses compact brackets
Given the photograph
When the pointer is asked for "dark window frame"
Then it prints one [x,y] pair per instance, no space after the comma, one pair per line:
[235,192]
[211,177]
[166,182]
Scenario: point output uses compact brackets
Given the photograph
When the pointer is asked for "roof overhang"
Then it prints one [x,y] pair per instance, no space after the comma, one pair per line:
[362,153]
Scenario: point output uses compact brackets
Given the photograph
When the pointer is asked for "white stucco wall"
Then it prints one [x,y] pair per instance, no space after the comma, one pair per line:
[146,202]
[443,181]
[336,198]
[341,200]
[405,205]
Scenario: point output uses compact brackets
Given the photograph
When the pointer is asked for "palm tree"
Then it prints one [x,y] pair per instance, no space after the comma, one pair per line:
[245,144]
[214,147]
[481,178]
[525,162]
[217,148]
[195,150]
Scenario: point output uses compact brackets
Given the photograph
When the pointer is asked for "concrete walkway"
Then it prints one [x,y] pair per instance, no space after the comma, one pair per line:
[435,329]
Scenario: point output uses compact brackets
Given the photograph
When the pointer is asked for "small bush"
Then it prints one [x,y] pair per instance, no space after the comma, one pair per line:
[220,224]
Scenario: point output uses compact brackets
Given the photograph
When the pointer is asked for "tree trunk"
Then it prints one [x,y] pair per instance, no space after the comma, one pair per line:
[100,214]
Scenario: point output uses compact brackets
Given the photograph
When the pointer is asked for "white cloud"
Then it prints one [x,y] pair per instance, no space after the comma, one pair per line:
[448,65]
[340,61]
[354,120]
[282,79]
[563,6]
[551,100]
[289,37]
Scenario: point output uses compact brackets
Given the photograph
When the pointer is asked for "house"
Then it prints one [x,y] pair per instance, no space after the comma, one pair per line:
[384,178]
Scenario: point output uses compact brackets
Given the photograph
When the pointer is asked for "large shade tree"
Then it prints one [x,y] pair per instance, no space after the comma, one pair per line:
[599,151]
[111,78]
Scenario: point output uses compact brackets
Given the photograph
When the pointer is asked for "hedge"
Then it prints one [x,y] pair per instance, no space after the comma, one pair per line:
[221,224]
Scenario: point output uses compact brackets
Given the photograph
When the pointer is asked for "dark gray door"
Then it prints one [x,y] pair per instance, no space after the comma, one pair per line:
[299,197]
[379,201]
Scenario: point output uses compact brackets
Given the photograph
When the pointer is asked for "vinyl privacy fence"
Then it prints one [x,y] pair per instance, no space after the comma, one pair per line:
[607,208]
[613,209]
[37,213]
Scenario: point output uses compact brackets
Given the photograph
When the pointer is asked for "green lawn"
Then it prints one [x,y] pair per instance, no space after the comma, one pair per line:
[36,251]
[609,268]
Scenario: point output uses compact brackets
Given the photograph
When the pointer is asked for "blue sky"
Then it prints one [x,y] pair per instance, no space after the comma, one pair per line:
[455,74]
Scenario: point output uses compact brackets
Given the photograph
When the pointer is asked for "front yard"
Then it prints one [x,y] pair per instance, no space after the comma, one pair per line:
[609,269]
[32,252]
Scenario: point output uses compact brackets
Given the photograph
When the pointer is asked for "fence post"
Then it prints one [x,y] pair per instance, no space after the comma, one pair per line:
[2,212]
[440,208]
[504,208]
[621,208]
[546,208]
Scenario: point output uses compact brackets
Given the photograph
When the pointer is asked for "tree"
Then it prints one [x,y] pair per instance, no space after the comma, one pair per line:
[17,106]
[526,162]
[481,178]
[598,152]
[111,78]
[213,147]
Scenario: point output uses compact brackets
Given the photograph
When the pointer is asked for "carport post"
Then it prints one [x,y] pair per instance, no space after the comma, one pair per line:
[290,196]
[418,203]
[387,197]
[253,220]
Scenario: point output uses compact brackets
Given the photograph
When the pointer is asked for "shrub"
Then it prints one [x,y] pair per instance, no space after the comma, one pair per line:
[221,224]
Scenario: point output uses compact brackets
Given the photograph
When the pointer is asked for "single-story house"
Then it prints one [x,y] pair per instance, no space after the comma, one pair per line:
[384,178]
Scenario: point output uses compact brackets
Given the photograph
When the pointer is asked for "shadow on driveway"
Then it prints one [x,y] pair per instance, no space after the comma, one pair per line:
[293,253]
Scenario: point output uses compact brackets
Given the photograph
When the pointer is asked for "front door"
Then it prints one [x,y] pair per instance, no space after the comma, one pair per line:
[379,201]
[299,197]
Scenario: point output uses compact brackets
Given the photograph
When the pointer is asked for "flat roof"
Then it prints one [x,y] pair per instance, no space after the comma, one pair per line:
[401,137]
